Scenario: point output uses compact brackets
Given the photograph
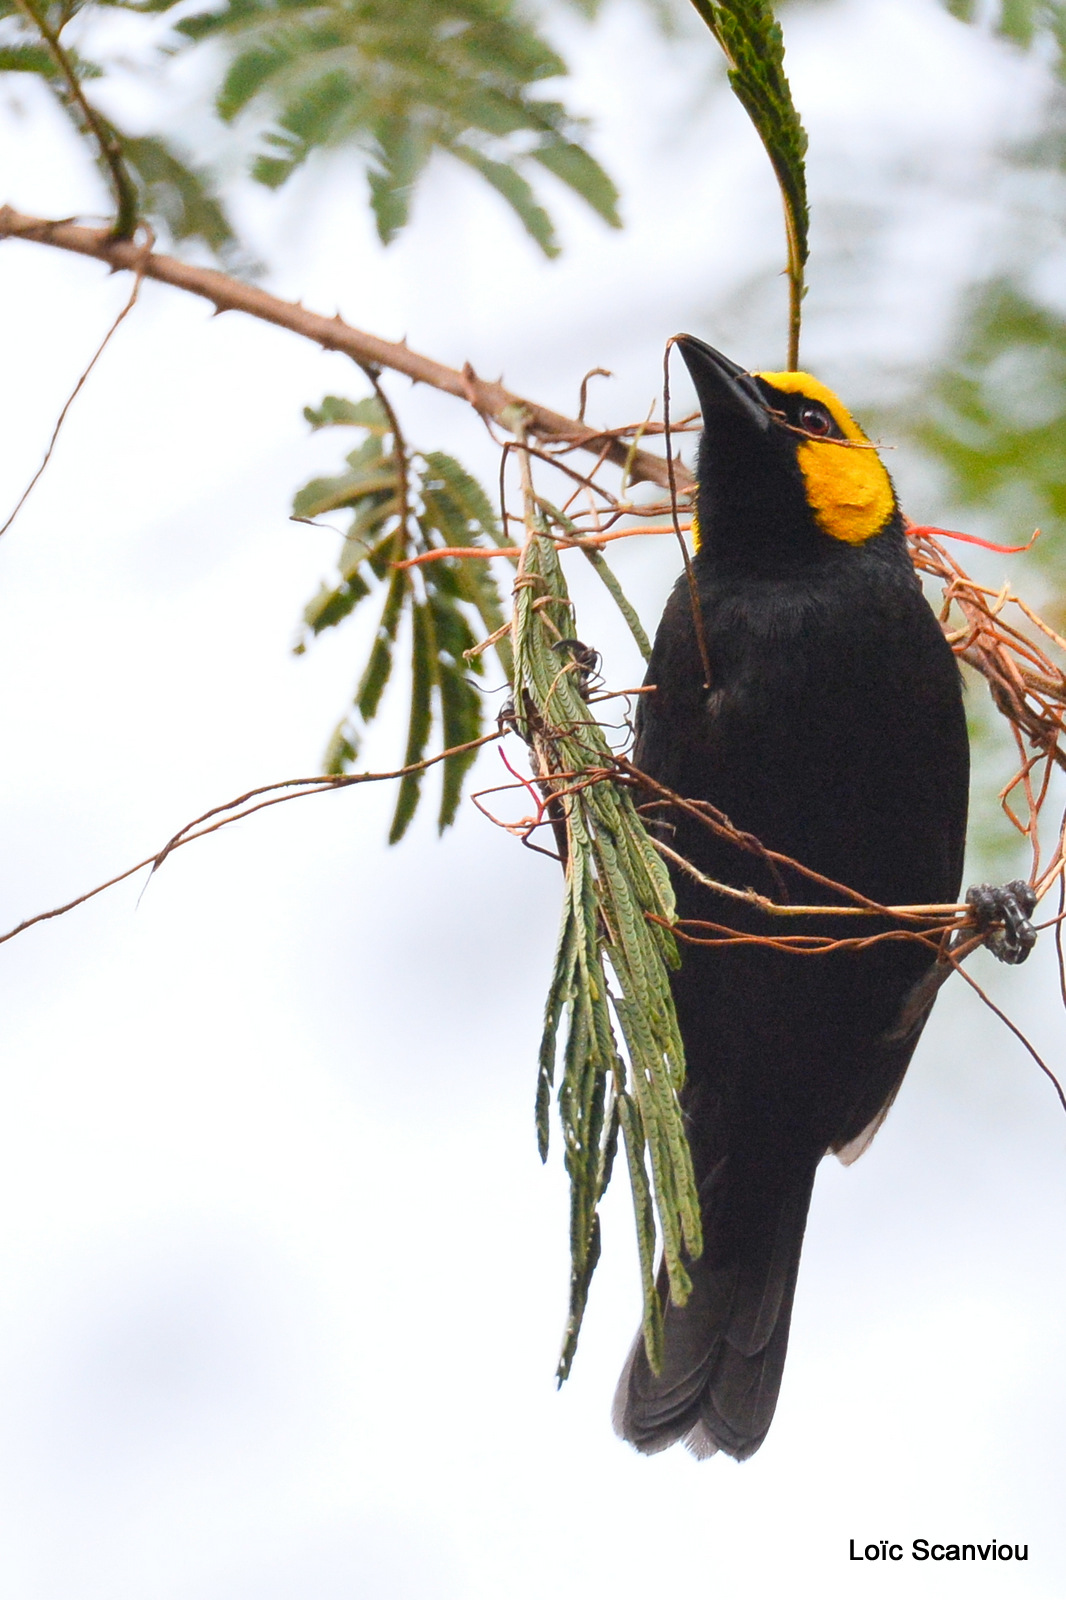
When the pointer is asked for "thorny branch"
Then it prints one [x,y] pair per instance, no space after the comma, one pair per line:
[490,399]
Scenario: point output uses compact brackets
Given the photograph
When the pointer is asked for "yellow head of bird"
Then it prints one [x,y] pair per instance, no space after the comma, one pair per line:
[847,487]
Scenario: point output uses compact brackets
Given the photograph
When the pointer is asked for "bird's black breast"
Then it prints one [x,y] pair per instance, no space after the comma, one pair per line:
[833,731]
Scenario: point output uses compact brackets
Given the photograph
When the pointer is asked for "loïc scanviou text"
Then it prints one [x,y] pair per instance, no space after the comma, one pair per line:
[930,1550]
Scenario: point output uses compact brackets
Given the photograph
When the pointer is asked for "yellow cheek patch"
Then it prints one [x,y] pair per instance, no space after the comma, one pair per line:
[695,531]
[848,489]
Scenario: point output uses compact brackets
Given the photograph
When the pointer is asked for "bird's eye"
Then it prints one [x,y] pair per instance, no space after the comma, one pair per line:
[815,419]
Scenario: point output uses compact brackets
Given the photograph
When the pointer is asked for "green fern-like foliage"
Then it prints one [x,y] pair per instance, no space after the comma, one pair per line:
[750,37]
[397,83]
[403,505]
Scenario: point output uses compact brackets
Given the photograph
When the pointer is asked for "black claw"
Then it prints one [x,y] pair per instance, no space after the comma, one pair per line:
[1001,914]
[587,660]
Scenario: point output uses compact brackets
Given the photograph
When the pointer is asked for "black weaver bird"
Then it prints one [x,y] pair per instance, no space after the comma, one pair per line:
[830,726]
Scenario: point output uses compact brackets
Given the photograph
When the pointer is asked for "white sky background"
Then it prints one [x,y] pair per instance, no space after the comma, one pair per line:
[282,1277]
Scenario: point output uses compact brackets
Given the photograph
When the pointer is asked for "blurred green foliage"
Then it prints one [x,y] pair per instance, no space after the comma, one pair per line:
[1023,22]
[151,175]
[396,83]
[391,84]
[993,414]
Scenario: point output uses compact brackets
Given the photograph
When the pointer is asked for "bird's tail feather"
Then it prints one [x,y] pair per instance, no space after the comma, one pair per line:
[724,1350]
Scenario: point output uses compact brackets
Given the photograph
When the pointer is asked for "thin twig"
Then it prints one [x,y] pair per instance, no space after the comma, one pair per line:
[475,552]
[1007,1023]
[752,898]
[240,808]
[123,314]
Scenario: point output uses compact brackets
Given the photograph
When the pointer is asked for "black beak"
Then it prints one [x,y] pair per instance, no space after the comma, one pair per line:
[722,386]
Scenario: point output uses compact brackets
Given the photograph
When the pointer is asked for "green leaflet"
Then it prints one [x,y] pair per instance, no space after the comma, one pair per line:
[517,191]
[338,412]
[375,676]
[751,40]
[424,673]
[401,505]
[330,606]
[577,169]
[611,968]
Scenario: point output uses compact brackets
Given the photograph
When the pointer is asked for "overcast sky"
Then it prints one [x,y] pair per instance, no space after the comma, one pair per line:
[281,1277]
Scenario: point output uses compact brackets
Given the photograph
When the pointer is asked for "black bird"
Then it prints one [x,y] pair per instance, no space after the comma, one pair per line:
[832,729]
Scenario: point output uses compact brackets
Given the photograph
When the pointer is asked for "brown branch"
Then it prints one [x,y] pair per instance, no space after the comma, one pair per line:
[225,293]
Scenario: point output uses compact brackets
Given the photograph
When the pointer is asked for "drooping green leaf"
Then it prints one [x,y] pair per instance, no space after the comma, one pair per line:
[379,664]
[424,679]
[582,173]
[750,36]
[180,195]
[401,152]
[461,723]
[612,966]
[330,606]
